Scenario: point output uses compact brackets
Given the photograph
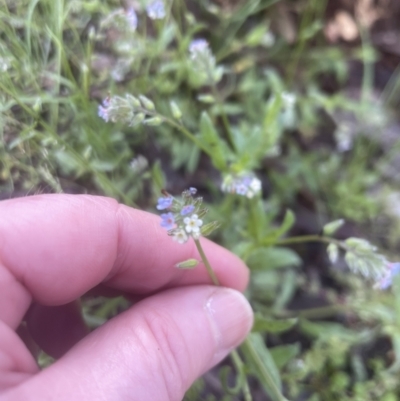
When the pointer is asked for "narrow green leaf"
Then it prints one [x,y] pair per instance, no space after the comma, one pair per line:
[268,258]
[215,144]
[262,365]
[264,324]
[286,225]
[283,354]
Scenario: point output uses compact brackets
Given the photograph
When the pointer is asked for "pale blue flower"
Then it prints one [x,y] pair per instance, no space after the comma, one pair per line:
[132,18]
[393,269]
[193,191]
[188,209]
[197,46]
[156,10]
[103,112]
[167,221]
[164,203]
[246,184]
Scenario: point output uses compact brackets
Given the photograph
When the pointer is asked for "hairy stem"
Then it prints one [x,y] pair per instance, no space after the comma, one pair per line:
[203,256]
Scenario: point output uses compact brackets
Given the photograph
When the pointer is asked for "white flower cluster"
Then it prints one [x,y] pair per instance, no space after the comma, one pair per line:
[244,184]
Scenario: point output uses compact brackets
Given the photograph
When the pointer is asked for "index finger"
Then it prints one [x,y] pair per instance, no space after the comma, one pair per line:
[54,248]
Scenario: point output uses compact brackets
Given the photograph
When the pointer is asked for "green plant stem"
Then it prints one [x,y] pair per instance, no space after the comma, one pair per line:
[237,361]
[203,256]
[239,365]
[315,238]
[179,126]
[310,238]
[246,344]
[187,133]
[314,313]
[261,368]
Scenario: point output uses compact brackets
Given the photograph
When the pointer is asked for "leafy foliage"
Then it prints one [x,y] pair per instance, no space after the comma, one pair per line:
[246,111]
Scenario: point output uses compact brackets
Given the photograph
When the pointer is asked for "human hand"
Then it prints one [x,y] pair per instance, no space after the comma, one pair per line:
[55,248]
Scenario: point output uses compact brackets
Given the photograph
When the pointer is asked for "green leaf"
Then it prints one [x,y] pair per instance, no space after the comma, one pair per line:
[268,258]
[325,330]
[286,225]
[283,354]
[215,144]
[268,325]
[104,165]
[271,126]
[158,177]
[66,161]
[262,365]
[255,36]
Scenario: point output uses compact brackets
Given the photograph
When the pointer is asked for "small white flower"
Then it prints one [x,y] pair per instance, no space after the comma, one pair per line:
[193,224]
[139,164]
[180,236]
[255,185]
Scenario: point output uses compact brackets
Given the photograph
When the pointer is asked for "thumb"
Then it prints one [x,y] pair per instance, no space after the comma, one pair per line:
[154,351]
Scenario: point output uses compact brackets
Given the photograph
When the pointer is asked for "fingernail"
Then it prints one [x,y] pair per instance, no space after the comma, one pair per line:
[231,318]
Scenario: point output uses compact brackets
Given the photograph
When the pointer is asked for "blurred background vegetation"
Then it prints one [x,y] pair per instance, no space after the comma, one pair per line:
[305,97]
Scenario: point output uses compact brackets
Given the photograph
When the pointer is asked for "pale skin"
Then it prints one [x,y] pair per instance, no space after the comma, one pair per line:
[55,248]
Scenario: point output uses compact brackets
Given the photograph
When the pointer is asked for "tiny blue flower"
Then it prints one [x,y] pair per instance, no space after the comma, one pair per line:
[132,18]
[241,189]
[168,221]
[164,203]
[193,191]
[156,10]
[188,209]
[197,46]
[103,113]
[386,281]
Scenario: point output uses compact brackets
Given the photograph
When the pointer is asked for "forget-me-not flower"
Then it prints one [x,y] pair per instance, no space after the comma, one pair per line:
[188,209]
[168,221]
[164,203]
[156,10]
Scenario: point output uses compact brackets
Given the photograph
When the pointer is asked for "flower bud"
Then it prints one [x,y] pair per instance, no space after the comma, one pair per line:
[187,264]
[147,103]
[175,110]
[153,121]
